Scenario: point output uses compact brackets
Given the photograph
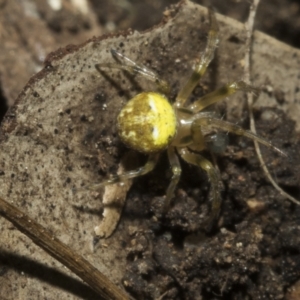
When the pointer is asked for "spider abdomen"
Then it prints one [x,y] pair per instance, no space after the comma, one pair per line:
[147,123]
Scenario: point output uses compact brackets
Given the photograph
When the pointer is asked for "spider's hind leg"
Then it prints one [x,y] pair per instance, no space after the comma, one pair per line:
[133,68]
[148,167]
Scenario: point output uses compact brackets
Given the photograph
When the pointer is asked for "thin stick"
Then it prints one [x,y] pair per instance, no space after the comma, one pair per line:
[249,28]
[76,263]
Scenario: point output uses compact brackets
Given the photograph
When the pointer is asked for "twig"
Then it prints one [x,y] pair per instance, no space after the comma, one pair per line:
[249,28]
[76,263]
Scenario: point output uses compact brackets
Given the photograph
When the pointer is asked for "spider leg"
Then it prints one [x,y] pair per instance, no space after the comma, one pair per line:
[176,170]
[198,138]
[148,167]
[213,176]
[126,64]
[221,93]
[230,127]
[200,67]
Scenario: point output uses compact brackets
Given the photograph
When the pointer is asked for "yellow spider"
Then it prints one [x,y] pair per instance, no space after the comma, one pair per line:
[149,123]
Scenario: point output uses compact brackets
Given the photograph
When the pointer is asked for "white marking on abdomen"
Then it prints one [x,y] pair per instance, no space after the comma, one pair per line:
[155,133]
[152,104]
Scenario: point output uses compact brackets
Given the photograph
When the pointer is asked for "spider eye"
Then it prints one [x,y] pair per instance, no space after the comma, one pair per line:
[147,123]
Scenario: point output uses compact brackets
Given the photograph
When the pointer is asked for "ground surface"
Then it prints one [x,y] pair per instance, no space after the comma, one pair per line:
[253,250]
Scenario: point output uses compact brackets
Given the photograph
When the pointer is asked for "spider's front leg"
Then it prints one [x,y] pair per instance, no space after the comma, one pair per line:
[201,66]
[221,93]
[126,64]
[205,120]
[213,176]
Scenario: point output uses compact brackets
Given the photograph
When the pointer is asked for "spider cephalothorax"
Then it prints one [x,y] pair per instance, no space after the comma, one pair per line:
[149,123]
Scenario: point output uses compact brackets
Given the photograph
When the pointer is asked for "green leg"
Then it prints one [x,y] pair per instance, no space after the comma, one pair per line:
[200,68]
[213,176]
[198,139]
[126,64]
[148,167]
[176,170]
[211,122]
[220,94]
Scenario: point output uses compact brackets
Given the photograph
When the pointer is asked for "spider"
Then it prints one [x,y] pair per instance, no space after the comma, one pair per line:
[150,123]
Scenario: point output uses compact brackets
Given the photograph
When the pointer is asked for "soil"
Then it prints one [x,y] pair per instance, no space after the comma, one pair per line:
[253,250]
